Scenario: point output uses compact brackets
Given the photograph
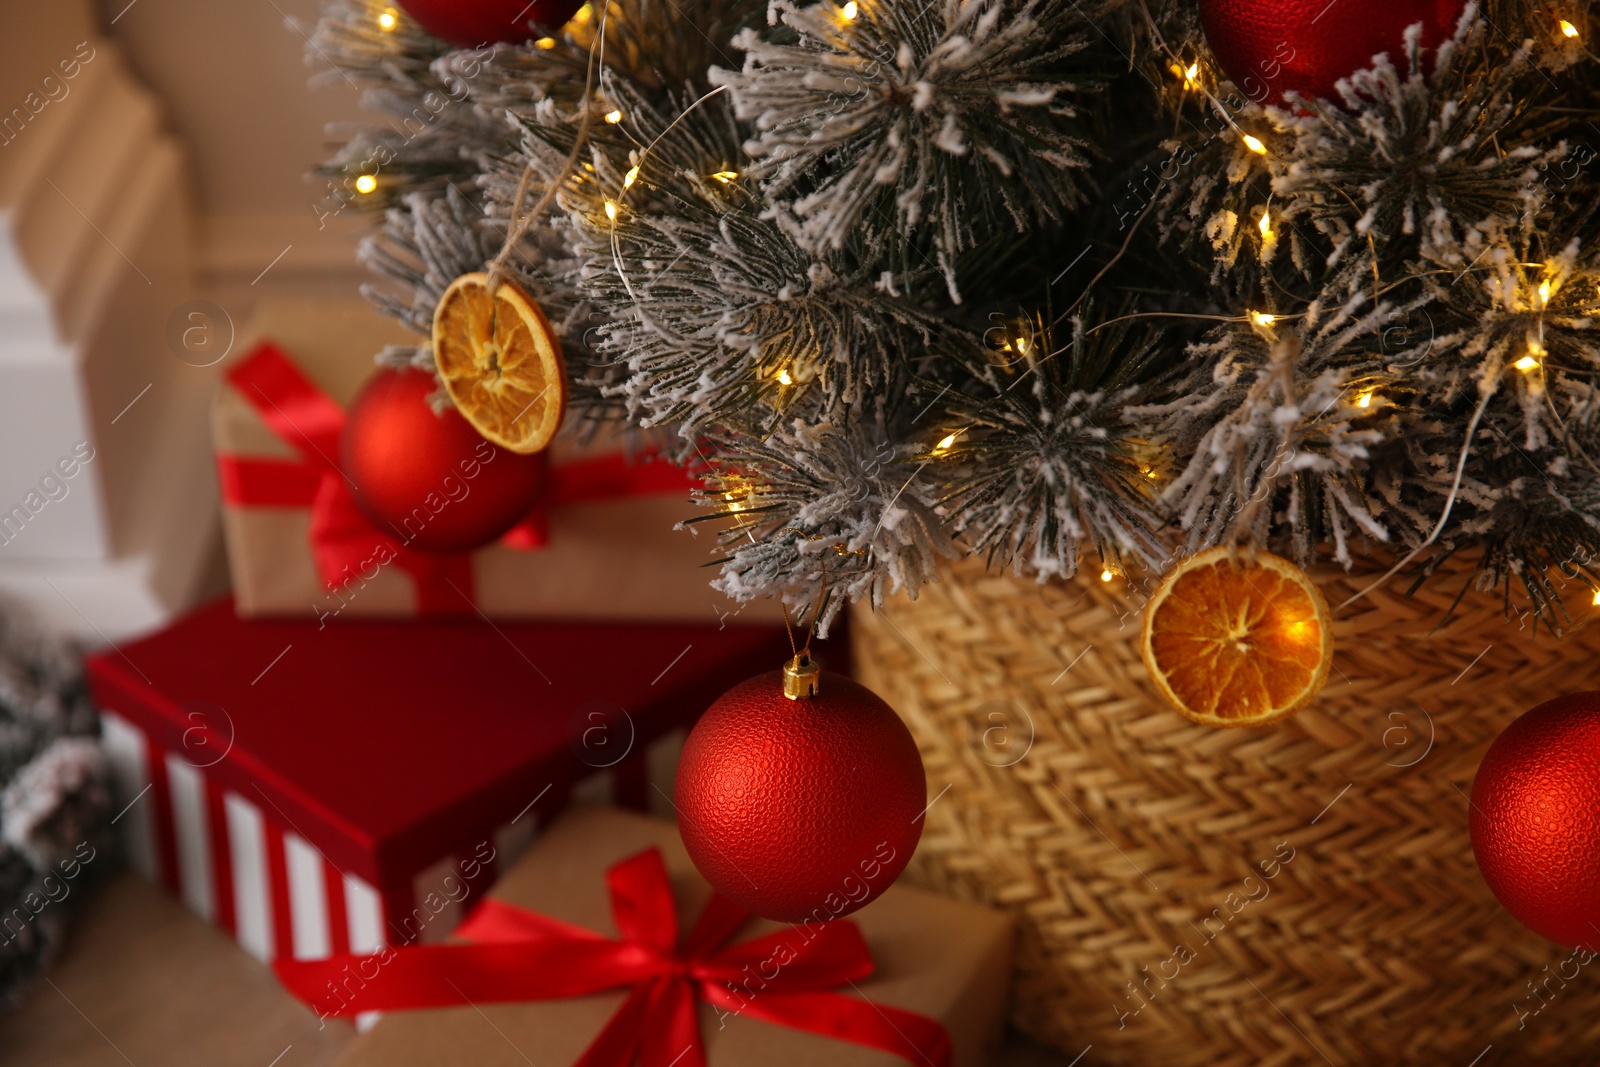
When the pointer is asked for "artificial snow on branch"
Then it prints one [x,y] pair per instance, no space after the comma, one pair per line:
[946,119]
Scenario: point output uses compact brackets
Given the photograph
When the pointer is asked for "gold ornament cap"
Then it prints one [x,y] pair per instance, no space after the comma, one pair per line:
[800,677]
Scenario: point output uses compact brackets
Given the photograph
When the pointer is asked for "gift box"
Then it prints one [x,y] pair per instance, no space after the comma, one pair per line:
[912,977]
[315,787]
[606,546]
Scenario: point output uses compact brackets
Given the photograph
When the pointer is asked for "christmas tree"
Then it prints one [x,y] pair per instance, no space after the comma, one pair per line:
[1057,284]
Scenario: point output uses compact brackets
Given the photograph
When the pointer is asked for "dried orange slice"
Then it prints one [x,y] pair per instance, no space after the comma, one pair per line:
[500,362]
[1235,641]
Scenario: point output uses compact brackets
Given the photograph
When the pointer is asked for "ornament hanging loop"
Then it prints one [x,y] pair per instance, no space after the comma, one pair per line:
[801,674]
[498,267]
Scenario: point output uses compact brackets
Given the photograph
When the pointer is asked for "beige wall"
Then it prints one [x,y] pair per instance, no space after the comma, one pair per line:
[232,80]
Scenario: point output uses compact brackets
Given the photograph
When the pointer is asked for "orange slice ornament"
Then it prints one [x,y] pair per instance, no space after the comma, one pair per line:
[1233,640]
[500,362]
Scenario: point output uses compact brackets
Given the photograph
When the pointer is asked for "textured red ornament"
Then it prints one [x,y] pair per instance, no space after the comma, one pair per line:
[1270,47]
[798,809]
[473,22]
[429,480]
[1536,819]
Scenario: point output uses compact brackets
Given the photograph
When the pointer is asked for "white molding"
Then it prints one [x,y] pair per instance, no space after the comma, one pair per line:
[96,255]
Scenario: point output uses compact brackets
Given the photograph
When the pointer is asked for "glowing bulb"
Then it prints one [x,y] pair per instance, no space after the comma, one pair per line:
[1022,346]
[613,117]
[725,176]
[1150,473]
[583,14]
[1106,576]
[629,178]
[948,441]
[545,43]
[784,377]
[1364,400]
[1544,293]
[366,183]
[1253,143]
[1597,598]
[611,210]
[850,10]
[1191,77]
[1261,318]
[389,21]
[1531,360]
[1568,29]
[1266,224]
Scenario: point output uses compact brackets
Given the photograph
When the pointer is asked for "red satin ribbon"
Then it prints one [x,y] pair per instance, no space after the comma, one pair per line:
[347,546]
[517,955]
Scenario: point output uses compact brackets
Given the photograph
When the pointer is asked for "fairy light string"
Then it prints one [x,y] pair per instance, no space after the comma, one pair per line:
[1192,80]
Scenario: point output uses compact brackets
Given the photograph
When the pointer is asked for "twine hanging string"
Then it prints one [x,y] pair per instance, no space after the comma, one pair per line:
[520,222]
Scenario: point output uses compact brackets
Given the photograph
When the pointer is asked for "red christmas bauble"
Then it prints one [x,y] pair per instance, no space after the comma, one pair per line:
[1536,819]
[1270,47]
[430,481]
[800,809]
[469,23]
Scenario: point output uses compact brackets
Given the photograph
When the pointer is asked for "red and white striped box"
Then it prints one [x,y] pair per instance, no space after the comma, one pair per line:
[297,786]
[270,888]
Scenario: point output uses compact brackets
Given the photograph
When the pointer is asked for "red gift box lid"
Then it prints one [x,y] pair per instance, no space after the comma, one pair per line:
[388,744]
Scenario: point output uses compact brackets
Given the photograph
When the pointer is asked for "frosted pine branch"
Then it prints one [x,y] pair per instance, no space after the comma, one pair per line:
[814,497]
[924,115]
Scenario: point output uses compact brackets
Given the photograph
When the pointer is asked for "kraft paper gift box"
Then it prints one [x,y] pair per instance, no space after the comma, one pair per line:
[324,787]
[611,550]
[943,960]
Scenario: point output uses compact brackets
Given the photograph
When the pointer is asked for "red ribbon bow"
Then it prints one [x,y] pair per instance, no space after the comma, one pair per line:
[785,977]
[343,542]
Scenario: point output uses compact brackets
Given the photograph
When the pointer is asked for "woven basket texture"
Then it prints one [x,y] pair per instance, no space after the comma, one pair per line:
[1302,893]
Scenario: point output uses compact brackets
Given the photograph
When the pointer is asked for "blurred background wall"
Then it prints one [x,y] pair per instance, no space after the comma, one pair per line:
[154,185]
[233,82]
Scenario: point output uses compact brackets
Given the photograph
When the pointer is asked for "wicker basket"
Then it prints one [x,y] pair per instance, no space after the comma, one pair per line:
[1133,846]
